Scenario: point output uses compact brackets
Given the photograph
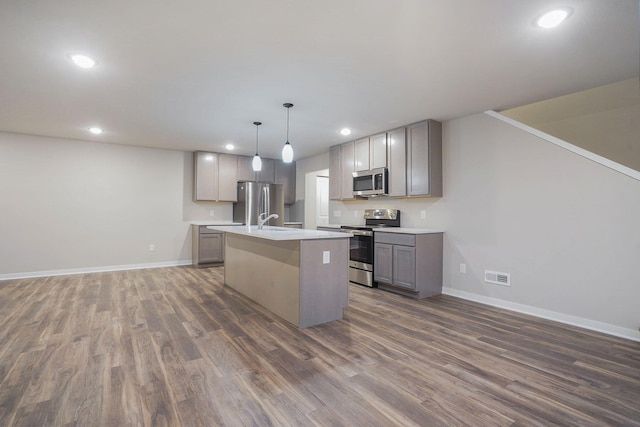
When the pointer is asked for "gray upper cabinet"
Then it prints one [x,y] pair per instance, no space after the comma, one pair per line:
[424,159]
[227,178]
[286,175]
[378,151]
[205,176]
[413,155]
[361,160]
[245,171]
[268,172]
[335,173]
[397,161]
[347,160]
[215,177]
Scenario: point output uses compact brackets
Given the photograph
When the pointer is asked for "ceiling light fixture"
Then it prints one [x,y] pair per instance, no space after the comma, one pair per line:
[256,164]
[83,61]
[345,131]
[95,130]
[552,19]
[287,150]
[229,147]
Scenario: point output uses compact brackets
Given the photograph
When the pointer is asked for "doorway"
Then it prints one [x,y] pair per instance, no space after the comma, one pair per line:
[316,199]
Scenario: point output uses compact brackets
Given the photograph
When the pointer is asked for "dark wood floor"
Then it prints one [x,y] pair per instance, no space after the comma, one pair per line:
[173,347]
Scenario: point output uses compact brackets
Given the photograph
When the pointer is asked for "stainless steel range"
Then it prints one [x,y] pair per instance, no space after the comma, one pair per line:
[361,244]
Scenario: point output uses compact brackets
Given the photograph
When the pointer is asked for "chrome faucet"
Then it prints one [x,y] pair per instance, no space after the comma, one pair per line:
[262,218]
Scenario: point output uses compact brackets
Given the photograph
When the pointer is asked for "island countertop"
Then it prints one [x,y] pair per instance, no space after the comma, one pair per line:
[279,233]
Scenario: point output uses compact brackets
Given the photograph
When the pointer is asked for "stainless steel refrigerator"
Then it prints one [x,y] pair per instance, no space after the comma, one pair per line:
[255,198]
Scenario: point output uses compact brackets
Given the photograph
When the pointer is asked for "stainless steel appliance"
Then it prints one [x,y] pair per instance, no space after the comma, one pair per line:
[255,198]
[361,263]
[373,182]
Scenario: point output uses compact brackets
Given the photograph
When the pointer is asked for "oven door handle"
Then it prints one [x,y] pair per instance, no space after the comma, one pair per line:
[361,233]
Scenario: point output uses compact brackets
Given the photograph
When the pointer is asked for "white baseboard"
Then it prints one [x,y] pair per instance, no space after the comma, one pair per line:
[93,269]
[581,322]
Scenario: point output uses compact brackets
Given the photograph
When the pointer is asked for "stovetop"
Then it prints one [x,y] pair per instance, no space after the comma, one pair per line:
[366,227]
[377,218]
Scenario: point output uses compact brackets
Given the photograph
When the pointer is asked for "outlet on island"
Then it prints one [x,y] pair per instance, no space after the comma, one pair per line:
[152,247]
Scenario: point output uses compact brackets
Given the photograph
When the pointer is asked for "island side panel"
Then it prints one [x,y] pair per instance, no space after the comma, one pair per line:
[429,266]
[266,271]
[324,288]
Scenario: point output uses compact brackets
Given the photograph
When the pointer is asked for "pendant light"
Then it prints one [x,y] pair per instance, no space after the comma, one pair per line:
[287,150]
[256,164]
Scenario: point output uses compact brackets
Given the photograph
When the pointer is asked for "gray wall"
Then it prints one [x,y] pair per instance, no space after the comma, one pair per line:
[69,205]
[566,228]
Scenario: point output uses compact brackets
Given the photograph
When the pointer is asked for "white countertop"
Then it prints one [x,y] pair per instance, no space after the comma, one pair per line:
[403,230]
[280,233]
[213,222]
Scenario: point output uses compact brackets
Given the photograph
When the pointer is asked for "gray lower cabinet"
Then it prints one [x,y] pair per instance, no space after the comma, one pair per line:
[208,246]
[408,264]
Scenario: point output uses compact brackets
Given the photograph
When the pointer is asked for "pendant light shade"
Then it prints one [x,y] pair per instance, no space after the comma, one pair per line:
[256,164]
[287,150]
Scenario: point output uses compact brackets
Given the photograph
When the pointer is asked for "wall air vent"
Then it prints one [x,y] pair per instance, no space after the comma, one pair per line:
[497,278]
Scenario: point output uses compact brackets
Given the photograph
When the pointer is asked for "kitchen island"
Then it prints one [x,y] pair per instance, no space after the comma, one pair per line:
[300,275]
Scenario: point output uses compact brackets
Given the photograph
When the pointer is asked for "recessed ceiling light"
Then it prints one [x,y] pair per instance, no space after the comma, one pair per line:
[345,131]
[553,18]
[95,130]
[83,61]
[229,147]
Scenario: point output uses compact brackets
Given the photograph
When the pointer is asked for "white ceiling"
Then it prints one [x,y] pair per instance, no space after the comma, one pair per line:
[195,74]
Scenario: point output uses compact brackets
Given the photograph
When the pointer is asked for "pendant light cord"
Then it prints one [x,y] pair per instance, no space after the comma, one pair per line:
[257,127]
[288,108]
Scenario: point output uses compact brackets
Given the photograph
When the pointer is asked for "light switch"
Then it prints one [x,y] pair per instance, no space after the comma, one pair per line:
[423,214]
[326,257]
[211,212]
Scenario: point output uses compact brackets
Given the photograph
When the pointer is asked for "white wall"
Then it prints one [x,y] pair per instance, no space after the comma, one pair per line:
[68,205]
[565,227]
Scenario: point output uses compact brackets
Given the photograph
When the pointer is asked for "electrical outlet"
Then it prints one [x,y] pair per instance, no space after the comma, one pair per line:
[423,214]
[326,257]
[337,213]
[211,212]
[152,247]
[355,214]
[463,268]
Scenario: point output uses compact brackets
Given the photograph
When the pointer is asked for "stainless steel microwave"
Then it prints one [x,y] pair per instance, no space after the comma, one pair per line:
[373,182]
